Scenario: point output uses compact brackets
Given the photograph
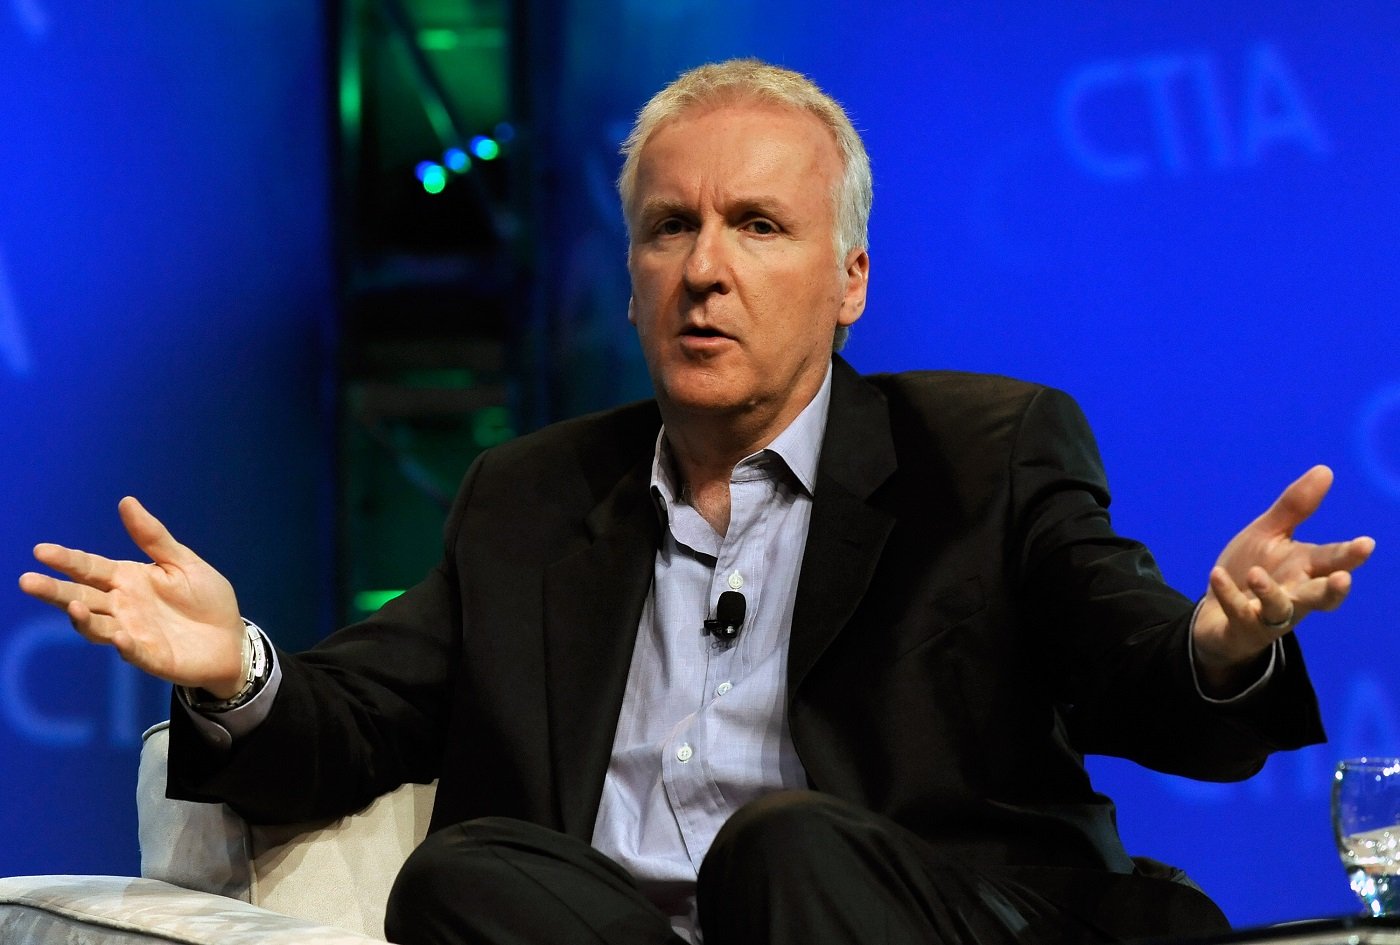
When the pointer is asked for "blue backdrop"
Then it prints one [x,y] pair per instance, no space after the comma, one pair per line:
[1185,214]
[164,316]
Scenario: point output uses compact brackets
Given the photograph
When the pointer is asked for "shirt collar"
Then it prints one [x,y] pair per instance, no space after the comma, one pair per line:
[799,446]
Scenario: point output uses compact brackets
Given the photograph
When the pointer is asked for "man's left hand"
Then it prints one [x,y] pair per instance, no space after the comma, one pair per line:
[1265,582]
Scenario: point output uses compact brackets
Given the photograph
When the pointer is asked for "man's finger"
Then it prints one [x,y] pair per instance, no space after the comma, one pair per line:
[1297,502]
[150,535]
[1233,601]
[1341,555]
[94,627]
[106,630]
[1275,609]
[82,566]
[61,593]
[40,587]
[1324,593]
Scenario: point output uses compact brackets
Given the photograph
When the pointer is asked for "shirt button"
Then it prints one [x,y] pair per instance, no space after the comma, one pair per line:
[736,580]
[683,753]
[723,688]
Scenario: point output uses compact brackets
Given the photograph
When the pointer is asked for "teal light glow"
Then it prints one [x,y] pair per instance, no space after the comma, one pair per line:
[485,148]
[434,179]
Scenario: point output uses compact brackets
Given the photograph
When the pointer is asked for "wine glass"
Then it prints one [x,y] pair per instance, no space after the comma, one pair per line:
[1366,823]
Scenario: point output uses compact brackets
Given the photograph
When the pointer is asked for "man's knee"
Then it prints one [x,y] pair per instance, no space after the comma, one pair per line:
[780,825]
[507,881]
[456,861]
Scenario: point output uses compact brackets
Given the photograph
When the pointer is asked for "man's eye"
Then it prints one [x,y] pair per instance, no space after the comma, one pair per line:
[670,227]
[763,227]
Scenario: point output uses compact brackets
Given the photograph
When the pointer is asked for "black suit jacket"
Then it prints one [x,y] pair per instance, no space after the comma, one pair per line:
[967,626]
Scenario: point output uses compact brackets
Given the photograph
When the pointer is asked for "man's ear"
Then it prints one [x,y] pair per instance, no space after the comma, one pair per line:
[857,279]
[632,309]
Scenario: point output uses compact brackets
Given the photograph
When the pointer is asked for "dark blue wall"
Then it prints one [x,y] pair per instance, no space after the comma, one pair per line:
[165,328]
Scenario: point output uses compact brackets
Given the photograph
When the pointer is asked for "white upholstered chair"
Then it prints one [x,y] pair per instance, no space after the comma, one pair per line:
[208,878]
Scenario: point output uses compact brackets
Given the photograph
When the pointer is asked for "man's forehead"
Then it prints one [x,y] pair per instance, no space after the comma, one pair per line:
[745,140]
[779,111]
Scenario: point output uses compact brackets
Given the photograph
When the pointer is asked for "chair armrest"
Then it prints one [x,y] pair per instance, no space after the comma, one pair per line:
[197,846]
[335,872]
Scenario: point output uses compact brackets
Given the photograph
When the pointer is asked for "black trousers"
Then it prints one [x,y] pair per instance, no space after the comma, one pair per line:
[794,868]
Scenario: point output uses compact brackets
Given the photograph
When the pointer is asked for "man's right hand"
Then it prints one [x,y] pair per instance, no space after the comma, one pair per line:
[176,618]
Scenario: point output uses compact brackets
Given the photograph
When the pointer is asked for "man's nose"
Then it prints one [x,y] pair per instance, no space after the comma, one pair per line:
[707,263]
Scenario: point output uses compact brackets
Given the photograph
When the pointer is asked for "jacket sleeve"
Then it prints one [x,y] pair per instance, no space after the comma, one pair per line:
[362,712]
[1114,635]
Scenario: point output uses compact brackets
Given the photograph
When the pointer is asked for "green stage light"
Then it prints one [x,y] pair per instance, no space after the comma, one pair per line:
[491,426]
[367,602]
[438,40]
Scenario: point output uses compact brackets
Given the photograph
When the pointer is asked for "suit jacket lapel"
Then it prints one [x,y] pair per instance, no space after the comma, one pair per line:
[846,534]
[593,601]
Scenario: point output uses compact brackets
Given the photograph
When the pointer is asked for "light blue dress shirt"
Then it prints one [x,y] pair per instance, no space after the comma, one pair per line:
[703,728]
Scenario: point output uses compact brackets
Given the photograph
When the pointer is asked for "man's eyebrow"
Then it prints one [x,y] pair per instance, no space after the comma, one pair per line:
[653,207]
[763,203]
[657,208]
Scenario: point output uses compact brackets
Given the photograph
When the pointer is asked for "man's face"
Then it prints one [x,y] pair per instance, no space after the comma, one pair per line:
[736,288]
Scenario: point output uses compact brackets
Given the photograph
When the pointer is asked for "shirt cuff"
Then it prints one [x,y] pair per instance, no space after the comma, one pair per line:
[1276,663]
[222,728]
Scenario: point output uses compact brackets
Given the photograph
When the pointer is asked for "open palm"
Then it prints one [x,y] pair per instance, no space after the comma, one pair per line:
[174,617]
[1265,580]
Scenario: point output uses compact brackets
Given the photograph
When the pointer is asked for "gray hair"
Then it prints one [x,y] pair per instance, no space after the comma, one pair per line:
[740,80]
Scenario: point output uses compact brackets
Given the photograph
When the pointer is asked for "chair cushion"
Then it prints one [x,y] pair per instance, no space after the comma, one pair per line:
[119,910]
[340,872]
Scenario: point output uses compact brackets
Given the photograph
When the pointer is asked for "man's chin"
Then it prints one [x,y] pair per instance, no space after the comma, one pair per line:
[704,396]
[715,405]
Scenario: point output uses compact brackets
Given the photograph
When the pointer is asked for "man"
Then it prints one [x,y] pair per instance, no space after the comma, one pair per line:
[876,737]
